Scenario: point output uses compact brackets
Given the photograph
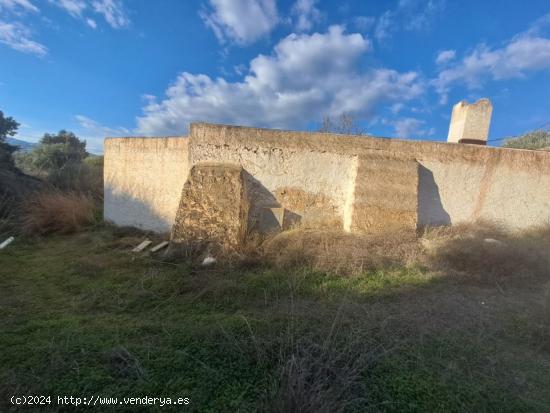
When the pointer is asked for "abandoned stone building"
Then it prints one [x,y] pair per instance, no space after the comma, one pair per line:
[222,181]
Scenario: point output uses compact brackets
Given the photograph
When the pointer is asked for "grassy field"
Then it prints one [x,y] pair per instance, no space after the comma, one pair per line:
[80,315]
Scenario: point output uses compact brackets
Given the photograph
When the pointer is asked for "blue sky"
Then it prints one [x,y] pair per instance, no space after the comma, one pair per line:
[142,67]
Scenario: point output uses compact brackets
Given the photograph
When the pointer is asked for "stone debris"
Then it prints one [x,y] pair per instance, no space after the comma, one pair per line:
[6,242]
[492,241]
[142,246]
[160,246]
[209,260]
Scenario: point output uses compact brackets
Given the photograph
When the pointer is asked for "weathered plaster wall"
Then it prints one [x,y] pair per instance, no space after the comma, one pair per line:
[315,174]
[144,178]
[281,171]
[331,178]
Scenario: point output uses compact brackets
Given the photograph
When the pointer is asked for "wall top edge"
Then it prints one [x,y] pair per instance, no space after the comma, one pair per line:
[125,138]
[360,145]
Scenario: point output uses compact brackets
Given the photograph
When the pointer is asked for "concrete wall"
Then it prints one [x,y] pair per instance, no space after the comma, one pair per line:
[306,176]
[144,178]
[314,174]
[332,178]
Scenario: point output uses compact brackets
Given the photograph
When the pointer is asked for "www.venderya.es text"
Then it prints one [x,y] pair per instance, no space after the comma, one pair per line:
[95,400]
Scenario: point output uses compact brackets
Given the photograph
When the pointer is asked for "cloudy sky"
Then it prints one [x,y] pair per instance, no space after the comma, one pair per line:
[141,67]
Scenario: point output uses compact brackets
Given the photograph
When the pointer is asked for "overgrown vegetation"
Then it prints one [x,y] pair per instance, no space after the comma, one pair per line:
[424,331]
[537,139]
[57,212]
[62,160]
[8,127]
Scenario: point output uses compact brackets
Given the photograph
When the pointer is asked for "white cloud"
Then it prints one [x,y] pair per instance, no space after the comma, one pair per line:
[91,22]
[412,15]
[94,133]
[112,11]
[411,127]
[445,57]
[241,21]
[306,14]
[306,77]
[364,23]
[384,25]
[16,5]
[17,36]
[97,129]
[397,107]
[526,52]
[73,7]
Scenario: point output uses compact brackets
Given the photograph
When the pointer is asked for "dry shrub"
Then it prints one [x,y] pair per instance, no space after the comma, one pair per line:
[317,378]
[57,212]
[7,215]
[486,250]
[340,252]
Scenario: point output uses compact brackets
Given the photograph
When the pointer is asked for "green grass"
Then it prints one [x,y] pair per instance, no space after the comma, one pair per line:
[81,315]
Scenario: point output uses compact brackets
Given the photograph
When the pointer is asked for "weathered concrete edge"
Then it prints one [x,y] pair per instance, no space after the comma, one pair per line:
[214,134]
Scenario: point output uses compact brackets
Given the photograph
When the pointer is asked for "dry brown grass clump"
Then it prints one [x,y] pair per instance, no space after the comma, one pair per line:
[486,250]
[340,252]
[57,212]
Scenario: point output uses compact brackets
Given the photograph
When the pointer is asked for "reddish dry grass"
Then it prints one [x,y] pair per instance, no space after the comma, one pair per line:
[57,212]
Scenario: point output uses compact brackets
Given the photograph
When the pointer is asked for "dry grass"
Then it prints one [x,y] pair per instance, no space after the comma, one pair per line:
[57,212]
[338,252]
[7,216]
[479,250]
[485,250]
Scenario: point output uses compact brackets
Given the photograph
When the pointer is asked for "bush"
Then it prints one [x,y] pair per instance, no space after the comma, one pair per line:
[84,177]
[56,212]
[538,139]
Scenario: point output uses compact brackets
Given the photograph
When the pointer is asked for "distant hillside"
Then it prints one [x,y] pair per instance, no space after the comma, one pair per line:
[537,139]
[23,146]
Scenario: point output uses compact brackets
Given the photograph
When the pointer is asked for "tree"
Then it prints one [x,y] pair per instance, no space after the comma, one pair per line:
[73,148]
[345,124]
[8,127]
[57,159]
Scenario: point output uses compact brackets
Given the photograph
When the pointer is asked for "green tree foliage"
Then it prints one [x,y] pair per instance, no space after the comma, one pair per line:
[538,139]
[54,154]
[73,148]
[62,160]
[8,127]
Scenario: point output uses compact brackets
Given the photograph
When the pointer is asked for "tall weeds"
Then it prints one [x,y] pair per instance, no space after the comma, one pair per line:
[57,212]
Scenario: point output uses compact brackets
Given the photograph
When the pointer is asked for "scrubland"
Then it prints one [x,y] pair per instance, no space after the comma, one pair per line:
[448,319]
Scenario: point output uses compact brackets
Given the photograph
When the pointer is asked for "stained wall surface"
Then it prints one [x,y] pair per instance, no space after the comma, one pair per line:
[316,175]
[143,179]
[331,179]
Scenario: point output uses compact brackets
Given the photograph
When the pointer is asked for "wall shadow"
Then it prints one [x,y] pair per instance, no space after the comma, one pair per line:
[262,198]
[430,208]
[124,210]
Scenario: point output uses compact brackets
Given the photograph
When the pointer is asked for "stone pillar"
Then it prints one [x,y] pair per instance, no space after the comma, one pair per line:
[470,122]
[214,206]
